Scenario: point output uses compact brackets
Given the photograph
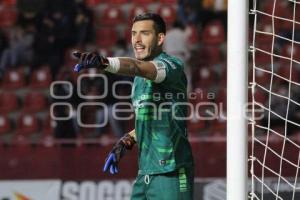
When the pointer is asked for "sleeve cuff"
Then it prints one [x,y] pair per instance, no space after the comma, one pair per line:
[160,71]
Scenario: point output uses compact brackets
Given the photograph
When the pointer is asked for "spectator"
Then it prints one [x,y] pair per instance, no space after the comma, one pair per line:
[31,6]
[110,100]
[83,24]
[28,20]
[188,11]
[212,10]
[51,40]
[3,41]
[177,44]
[66,129]
[3,46]
[121,49]
[19,49]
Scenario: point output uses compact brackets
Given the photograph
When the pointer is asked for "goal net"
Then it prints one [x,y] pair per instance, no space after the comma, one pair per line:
[275,92]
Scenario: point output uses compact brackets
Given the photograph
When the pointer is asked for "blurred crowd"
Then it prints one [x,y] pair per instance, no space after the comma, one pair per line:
[43,33]
[43,30]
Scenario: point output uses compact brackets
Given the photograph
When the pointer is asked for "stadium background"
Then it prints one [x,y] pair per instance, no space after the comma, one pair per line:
[36,41]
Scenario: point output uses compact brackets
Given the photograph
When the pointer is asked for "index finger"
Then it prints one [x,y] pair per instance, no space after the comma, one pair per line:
[76,54]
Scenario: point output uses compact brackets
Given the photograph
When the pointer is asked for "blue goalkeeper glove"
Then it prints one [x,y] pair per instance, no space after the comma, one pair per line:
[90,60]
[118,151]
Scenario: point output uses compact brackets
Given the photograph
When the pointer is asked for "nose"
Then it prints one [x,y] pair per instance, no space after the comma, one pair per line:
[136,38]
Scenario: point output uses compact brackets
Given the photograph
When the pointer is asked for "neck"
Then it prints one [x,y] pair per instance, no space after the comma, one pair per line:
[155,54]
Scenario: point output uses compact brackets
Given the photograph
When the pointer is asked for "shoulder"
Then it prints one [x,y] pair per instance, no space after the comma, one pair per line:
[168,61]
[169,69]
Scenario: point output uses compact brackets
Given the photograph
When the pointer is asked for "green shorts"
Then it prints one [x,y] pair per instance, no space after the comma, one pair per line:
[177,185]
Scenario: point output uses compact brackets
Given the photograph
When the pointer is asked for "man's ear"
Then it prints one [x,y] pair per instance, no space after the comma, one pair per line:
[160,39]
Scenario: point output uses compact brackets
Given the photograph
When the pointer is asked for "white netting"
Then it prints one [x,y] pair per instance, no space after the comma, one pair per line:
[276,91]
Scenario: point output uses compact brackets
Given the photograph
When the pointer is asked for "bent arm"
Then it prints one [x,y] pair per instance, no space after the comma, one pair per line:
[134,67]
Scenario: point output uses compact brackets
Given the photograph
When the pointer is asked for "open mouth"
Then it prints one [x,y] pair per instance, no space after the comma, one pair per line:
[139,49]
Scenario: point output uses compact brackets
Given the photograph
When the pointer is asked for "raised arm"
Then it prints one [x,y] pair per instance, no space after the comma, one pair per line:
[134,67]
[120,65]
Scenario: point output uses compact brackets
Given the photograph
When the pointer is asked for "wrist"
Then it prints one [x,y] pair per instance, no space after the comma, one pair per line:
[128,141]
[113,65]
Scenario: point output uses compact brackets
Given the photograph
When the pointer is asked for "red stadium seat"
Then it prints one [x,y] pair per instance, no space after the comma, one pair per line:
[218,126]
[262,78]
[5,124]
[13,79]
[193,34]
[266,38]
[205,77]
[143,2]
[41,78]
[211,54]
[288,49]
[168,1]
[106,37]
[285,66]
[34,102]
[8,16]
[65,73]
[48,126]
[8,102]
[281,9]
[168,13]
[128,36]
[93,3]
[260,96]
[111,2]
[285,69]
[27,124]
[297,19]
[47,138]
[196,126]
[221,96]
[265,24]
[214,33]
[10,2]
[112,16]
[262,56]
[136,10]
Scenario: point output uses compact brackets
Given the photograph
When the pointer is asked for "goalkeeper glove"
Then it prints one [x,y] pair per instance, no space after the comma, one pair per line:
[90,60]
[118,151]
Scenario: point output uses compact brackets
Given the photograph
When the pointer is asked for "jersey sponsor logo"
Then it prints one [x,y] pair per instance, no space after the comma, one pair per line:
[162,162]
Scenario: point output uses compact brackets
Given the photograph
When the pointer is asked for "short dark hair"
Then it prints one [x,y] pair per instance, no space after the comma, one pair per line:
[159,23]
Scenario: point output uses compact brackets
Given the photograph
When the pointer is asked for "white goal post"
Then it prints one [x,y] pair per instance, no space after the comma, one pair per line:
[237,87]
[275,90]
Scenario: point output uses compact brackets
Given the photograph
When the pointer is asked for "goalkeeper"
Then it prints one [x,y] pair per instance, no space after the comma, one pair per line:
[166,169]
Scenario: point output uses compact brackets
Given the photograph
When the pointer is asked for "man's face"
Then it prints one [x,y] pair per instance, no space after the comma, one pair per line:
[144,39]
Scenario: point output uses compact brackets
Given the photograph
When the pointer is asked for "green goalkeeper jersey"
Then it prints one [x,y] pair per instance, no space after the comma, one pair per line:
[160,124]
